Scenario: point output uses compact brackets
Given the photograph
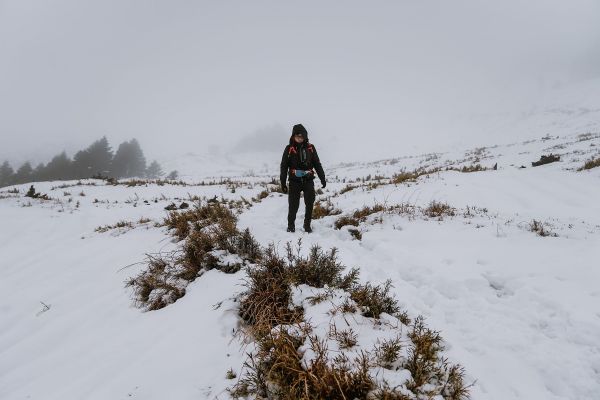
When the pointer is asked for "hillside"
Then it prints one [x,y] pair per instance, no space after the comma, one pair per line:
[502,262]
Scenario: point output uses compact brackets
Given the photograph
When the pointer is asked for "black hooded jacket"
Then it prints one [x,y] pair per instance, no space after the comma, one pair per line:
[301,156]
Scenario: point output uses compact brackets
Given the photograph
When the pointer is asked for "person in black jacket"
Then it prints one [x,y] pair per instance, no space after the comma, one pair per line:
[300,160]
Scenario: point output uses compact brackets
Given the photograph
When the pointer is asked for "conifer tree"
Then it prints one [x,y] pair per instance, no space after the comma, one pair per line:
[24,173]
[129,160]
[154,170]
[39,173]
[138,161]
[59,168]
[94,160]
[119,165]
[6,174]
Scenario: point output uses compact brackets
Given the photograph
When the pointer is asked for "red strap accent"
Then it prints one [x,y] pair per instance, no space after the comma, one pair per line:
[292,150]
[310,147]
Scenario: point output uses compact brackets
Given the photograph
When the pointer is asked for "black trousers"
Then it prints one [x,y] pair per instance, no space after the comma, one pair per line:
[308,187]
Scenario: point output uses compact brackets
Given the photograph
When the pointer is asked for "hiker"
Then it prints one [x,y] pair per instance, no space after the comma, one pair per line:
[300,159]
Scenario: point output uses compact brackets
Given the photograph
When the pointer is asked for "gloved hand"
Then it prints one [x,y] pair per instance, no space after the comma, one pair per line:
[284,188]
[323,183]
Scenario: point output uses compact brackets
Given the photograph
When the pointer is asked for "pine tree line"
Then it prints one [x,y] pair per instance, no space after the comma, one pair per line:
[97,160]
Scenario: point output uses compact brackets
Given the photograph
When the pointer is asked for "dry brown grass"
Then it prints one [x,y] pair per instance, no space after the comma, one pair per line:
[157,286]
[348,188]
[346,338]
[593,163]
[412,176]
[439,210]
[358,216]
[373,300]
[208,232]
[198,218]
[278,369]
[471,168]
[120,224]
[262,195]
[324,209]
[387,352]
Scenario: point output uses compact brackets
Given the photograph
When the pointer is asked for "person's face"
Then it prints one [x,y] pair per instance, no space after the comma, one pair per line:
[299,138]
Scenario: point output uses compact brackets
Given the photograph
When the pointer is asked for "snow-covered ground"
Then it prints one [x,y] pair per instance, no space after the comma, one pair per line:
[519,311]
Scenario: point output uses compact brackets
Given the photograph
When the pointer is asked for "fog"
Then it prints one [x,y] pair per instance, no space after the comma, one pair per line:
[367,79]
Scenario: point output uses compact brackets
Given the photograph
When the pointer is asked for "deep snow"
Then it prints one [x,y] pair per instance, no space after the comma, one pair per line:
[521,312]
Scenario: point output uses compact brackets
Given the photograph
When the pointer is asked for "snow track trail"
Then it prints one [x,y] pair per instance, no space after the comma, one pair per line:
[516,311]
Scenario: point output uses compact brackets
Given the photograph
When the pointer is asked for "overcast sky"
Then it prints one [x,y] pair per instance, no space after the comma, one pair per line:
[366,78]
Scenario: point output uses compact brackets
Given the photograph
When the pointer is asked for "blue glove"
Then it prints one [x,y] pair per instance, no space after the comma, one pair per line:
[300,173]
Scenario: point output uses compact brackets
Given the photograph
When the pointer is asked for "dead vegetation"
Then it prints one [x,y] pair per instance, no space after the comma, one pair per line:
[323,209]
[348,188]
[209,239]
[118,225]
[546,159]
[412,176]
[470,168]
[593,163]
[123,225]
[435,209]
[279,368]
[439,210]
[358,216]
[541,228]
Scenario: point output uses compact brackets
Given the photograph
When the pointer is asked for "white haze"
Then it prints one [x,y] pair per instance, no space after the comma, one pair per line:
[368,79]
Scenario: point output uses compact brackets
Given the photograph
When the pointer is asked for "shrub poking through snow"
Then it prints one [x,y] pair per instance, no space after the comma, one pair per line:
[593,163]
[198,218]
[358,216]
[31,192]
[304,315]
[262,195]
[34,195]
[437,209]
[472,168]
[209,239]
[387,352]
[230,374]
[346,338]
[412,176]
[324,209]
[159,285]
[373,300]
[345,220]
[550,158]
[355,233]
[541,229]
[348,188]
[118,225]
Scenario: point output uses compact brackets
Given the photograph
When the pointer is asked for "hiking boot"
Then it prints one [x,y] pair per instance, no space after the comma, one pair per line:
[291,229]
[307,228]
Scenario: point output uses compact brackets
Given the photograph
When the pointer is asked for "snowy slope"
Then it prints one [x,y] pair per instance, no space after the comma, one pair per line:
[521,312]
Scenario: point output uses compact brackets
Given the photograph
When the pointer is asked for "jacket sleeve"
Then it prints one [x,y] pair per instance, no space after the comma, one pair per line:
[317,165]
[284,166]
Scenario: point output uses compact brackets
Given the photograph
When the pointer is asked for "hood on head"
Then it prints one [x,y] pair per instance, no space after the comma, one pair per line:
[298,129]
